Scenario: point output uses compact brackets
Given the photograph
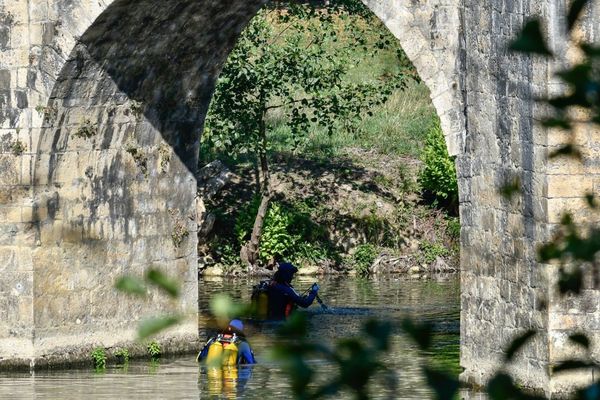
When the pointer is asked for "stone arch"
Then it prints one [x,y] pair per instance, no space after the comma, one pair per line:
[117,92]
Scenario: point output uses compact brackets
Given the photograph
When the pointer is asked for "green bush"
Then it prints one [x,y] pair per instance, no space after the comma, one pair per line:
[453,227]
[99,358]
[306,252]
[363,258]
[277,237]
[438,177]
[227,252]
[430,251]
[122,356]
[154,350]
[286,231]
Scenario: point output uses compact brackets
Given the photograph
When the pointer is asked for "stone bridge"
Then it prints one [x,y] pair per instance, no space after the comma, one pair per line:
[101,107]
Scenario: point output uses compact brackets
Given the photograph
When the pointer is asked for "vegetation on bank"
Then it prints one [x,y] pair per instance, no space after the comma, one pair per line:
[326,171]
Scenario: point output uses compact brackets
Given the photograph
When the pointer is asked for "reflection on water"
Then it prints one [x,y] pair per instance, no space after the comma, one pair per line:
[352,301]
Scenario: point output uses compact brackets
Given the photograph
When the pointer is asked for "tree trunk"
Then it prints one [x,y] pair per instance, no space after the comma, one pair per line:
[250,251]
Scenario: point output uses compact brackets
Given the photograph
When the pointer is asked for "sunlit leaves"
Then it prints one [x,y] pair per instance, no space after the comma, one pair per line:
[136,286]
[224,308]
[531,40]
[133,285]
[517,344]
[356,359]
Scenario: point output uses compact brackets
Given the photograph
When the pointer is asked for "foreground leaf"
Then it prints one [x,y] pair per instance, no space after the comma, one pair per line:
[444,385]
[575,12]
[420,333]
[580,339]
[130,285]
[152,326]
[531,40]
[570,365]
[517,344]
[162,281]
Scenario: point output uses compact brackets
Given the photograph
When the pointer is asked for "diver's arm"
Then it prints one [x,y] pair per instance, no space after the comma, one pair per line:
[302,301]
[245,354]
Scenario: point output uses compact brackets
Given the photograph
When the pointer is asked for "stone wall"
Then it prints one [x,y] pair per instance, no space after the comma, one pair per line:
[102,106]
[503,288]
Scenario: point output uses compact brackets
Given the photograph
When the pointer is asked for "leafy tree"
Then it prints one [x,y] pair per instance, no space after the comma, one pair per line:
[297,72]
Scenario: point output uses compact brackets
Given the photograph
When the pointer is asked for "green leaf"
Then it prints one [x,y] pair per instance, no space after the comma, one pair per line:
[517,344]
[510,188]
[570,365]
[445,386]
[556,123]
[570,282]
[223,307]
[152,326]
[568,150]
[591,200]
[501,387]
[575,10]
[531,40]
[420,333]
[549,251]
[130,285]
[580,339]
[162,281]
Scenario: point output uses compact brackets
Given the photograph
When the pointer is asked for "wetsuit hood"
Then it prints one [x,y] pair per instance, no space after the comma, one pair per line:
[286,271]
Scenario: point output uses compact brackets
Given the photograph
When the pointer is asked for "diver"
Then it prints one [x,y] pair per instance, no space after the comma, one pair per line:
[283,299]
[229,347]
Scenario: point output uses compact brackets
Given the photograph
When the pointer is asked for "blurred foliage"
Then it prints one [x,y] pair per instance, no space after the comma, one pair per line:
[357,360]
[135,286]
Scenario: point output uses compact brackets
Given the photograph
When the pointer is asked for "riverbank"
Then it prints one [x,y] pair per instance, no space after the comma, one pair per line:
[361,213]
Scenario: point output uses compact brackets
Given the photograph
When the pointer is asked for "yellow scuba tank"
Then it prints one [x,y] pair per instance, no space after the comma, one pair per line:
[260,300]
[230,354]
[215,354]
[262,305]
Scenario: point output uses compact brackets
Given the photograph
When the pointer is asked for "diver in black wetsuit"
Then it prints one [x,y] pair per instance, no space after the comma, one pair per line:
[283,299]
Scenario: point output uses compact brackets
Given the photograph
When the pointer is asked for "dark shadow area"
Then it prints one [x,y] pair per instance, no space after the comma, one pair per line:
[165,55]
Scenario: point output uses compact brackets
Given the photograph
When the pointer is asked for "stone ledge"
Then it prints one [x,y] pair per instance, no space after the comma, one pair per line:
[185,340]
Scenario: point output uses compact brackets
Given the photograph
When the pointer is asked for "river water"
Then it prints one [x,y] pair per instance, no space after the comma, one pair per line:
[351,301]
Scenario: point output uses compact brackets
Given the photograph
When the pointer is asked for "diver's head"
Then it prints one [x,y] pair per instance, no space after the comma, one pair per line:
[285,273]
[236,326]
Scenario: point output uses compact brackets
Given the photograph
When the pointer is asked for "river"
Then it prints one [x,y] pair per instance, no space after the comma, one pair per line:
[351,301]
